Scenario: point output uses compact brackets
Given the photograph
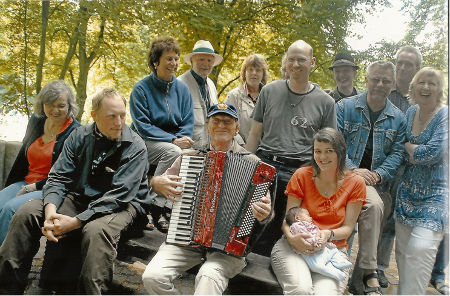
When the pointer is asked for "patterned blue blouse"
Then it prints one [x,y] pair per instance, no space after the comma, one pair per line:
[422,196]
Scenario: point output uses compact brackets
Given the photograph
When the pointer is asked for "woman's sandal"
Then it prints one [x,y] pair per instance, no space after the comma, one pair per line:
[369,290]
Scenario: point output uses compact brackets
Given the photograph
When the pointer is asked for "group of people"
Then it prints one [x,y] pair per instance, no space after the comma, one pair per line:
[377,159]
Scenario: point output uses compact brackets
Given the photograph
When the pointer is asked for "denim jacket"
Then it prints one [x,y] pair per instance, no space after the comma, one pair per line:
[389,133]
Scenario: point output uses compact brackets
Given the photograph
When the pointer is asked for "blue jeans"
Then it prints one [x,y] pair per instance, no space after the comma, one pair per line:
[10,203]
[441,263]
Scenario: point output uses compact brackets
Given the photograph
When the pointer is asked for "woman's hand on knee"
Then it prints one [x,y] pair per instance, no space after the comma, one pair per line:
[27,189]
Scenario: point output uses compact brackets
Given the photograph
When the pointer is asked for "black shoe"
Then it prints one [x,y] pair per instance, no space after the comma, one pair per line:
[369,290]
[382,279]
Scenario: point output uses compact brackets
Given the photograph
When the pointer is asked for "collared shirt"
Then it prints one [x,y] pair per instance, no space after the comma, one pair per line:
[230,149]
[337,95]
[399,100]
[202,84]
[248,93]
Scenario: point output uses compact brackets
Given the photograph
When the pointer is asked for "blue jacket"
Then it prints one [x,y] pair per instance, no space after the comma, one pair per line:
[389,133]
[161,110]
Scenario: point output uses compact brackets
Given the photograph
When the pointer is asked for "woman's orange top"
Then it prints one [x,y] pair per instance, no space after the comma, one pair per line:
[39,155]
[326,212]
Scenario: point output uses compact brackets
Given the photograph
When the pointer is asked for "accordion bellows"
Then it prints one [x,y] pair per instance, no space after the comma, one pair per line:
[215,209]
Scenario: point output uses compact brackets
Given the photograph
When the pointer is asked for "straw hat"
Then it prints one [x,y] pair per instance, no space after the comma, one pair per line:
[203,47]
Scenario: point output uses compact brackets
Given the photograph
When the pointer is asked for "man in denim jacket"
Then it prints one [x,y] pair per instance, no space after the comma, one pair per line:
[374,131]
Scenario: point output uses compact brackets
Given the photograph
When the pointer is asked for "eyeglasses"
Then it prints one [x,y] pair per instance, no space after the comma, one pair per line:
[298,60]
[376,80]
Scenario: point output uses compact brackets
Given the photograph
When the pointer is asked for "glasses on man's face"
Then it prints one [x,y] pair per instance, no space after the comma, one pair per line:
[376,80]
[298,60]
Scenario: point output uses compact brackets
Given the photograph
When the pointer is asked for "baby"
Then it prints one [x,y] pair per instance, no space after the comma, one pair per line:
[329,261]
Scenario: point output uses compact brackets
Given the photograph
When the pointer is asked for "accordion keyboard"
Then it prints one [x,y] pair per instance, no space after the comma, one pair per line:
[181,219]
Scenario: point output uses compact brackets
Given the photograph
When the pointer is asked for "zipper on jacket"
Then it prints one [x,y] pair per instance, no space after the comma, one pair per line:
[168,107]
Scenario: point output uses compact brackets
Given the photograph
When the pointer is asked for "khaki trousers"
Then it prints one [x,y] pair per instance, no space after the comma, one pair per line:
[295,277]
[171,261]
[370,223]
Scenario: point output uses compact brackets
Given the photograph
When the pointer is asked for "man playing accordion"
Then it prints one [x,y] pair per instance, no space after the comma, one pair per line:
[172,260]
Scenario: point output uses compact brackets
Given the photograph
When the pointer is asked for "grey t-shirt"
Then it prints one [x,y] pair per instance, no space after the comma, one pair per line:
[290,120]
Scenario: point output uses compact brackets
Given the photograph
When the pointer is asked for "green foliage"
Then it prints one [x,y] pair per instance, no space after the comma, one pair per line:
[427,30]
[94,44]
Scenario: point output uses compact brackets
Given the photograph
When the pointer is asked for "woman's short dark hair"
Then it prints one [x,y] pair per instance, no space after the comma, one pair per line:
[257,61]
[53,91]
[337,141]
[158,46]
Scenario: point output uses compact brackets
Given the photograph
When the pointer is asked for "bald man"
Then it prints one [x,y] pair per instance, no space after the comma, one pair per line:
[287,115]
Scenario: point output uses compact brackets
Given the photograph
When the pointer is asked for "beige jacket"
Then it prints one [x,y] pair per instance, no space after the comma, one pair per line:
[200,135]
[238,98]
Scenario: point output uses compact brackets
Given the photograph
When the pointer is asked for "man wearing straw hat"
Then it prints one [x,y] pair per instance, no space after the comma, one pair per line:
[203,91]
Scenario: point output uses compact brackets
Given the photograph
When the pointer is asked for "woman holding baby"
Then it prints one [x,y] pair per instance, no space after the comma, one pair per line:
[334,197]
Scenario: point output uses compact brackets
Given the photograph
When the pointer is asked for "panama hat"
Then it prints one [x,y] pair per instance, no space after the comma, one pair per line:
[203,47]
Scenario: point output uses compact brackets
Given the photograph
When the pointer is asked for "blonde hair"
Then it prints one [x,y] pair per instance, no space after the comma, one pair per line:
[427,71]
[106,92]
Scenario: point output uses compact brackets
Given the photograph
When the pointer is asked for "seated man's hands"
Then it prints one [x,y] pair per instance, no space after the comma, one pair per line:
[261,209]
[183,142]
[167,186]
[57,225]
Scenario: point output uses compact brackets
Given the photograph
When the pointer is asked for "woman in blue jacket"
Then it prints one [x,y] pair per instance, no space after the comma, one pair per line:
[50,125]
[161,108]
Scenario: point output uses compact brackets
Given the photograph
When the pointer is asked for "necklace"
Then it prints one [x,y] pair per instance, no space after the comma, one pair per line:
[429,115]
[49,131]
[297,120]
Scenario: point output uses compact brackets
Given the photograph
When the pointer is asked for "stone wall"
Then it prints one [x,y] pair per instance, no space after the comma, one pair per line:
[8,153]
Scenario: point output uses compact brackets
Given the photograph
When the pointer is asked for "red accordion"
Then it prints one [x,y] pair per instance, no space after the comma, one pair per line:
[215,209]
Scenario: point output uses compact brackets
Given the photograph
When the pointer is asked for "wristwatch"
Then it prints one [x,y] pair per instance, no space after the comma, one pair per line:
[331,236]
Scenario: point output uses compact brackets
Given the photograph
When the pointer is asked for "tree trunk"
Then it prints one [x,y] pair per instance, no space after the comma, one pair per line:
[83,61]
[45,11]
[25,37]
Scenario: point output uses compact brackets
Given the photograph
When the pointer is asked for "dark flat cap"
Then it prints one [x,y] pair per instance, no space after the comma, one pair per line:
[343,59]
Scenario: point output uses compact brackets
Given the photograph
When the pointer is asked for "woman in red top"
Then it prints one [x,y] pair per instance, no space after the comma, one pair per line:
[48,128]
[334,197]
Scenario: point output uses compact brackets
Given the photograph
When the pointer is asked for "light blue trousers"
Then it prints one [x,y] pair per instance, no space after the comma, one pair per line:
[10,203]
